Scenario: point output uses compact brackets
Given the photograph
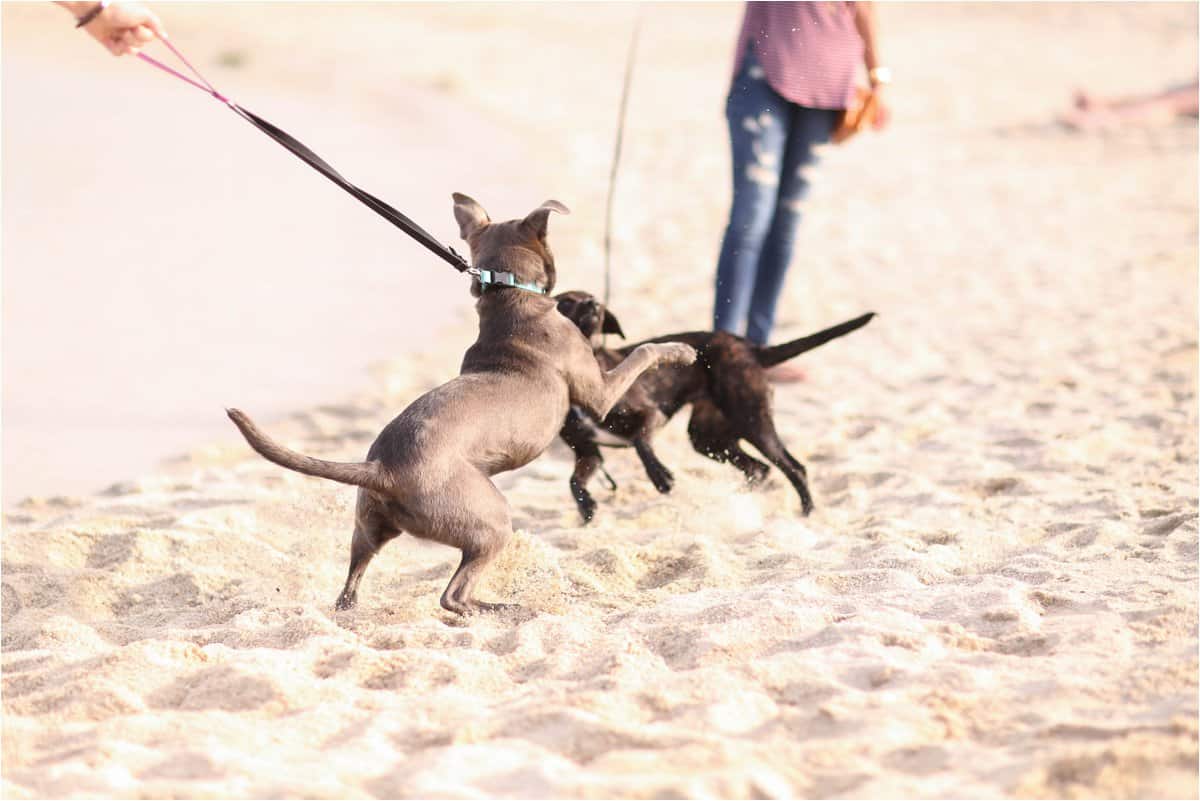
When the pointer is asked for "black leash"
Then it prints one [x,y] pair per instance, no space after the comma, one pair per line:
[384,210]
[387,212]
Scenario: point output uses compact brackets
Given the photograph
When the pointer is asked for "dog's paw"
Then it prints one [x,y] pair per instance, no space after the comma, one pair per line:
[587,508]
[756,474]
[662,478]
[675,353]
[584,500]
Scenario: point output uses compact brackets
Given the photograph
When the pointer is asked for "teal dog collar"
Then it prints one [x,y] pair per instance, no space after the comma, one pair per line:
[493,277]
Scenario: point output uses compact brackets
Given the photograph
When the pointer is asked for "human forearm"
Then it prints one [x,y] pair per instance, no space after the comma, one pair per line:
[879,75]
[77,9]
[123,28]
[865,22]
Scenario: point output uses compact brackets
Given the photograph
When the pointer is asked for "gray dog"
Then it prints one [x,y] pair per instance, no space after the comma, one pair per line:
[429,471]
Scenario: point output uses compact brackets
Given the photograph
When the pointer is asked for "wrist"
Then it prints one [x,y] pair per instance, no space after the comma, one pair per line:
[86,12]
[879,77]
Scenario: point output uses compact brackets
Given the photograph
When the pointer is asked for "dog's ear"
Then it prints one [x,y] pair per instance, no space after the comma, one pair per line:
[469,214]
[611,325]
[536,220]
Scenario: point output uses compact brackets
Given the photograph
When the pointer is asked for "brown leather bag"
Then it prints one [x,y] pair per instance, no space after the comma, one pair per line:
[858,115]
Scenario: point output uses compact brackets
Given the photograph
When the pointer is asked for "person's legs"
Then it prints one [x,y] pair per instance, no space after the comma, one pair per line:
[809,127]
[758,131]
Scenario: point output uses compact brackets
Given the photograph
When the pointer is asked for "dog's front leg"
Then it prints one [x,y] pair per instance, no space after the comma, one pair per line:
[616,382]
[658,473]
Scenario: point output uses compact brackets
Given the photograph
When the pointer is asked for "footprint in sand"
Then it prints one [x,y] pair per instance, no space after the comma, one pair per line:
[183,766]
[1026,645]
[111,550]
[579,735]
[173,592]
[859,431]
[121,489]
[1004,485]
[670,569]
[11,602]
[919,760]
[940,538]
[1163,525]
[412,674]
[218,688]
[678,649]
[1187,551]
[38,590]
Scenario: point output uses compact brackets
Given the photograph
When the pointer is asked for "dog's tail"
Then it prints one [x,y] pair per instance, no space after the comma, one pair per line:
[776,354]
[360,474]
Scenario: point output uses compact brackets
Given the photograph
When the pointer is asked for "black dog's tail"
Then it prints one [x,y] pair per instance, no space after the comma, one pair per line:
[360,474]
[776,354]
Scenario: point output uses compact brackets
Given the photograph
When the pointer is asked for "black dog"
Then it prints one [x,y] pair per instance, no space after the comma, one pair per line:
[726,385]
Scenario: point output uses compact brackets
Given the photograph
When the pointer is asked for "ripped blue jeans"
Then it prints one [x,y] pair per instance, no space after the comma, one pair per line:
[773,142]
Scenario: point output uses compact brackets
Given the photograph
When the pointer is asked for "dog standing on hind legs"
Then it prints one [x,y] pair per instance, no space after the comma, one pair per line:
[726,386]
[429,471]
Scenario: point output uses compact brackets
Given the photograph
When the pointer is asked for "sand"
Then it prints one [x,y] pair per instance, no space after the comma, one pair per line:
[997,593]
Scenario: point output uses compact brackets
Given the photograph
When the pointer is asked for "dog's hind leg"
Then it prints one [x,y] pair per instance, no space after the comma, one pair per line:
[768,443]
[755,471]
[480,531]
[459,594]
[362,548]
[371,532]
[745,406]
[712,436]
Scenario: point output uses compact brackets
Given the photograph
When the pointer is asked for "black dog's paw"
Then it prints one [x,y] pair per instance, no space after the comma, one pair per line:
[345,602]
[585,502]
[662,478]
[806,509]
[756,474]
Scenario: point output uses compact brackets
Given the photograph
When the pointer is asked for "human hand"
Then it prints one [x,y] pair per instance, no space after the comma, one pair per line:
[882,111]
[125,28]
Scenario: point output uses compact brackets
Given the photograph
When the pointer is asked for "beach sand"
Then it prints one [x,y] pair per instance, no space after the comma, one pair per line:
[995,597]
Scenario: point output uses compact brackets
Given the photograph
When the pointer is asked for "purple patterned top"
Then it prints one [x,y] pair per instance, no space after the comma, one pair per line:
[808,51]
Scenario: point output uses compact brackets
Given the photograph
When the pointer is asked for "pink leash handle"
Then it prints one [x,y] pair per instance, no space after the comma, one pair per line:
[205,86]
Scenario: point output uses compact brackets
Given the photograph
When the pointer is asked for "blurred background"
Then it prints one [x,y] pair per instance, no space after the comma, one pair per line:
[162,259]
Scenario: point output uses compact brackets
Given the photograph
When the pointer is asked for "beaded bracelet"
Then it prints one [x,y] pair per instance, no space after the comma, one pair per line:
[92,13]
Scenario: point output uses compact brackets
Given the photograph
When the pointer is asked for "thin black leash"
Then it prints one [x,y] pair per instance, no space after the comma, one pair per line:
[392,215]
[616,164]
